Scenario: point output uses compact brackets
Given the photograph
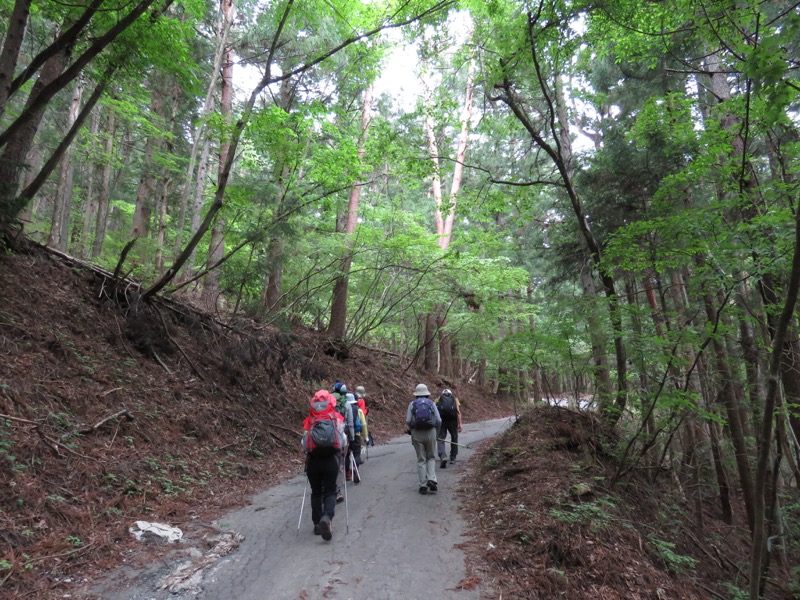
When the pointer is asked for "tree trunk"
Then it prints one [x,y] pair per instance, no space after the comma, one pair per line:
[338,322]
[146,192]
[90,206]
[104,196]
[445,344]
[272,292]
[12,161]
[444,216]
[59,228]
[752,362]
[200,134]
[197,203]
[12,43]
[161,224]
[34,160]
[430,343]
[216,248]
[723,485]
[446,233]
[759,554]
[274,283]
[600,369]
[216,252]
[728,396]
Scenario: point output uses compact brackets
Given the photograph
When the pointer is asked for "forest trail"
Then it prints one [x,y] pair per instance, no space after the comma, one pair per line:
[400,544]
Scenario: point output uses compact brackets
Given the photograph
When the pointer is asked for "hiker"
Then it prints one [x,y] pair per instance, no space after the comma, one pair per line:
[361,394]
[423,420]
[359,433]
[340,395]
[450,411]
[324,442]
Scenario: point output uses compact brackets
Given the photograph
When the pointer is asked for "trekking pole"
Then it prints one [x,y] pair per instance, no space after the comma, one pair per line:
[354,468]
[454,443]
[346,510]
[302,505]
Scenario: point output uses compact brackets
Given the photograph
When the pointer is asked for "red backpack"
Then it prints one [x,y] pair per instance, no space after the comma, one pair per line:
[323,438]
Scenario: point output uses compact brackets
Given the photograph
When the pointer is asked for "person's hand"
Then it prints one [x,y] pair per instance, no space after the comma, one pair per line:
[459,428]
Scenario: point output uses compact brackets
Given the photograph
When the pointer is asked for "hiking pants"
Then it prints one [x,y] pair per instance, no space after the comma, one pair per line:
[424,441]
[322,472]
[450,425]
[355,449]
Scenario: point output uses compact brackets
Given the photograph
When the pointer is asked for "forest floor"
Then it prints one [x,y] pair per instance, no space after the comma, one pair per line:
[113,412]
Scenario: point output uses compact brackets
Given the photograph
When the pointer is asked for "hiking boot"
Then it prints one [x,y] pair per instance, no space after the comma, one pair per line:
[325,527]
[453,459]
[317,529]
[349,477]
[444,464]
[423,490]
[433,486]
[339,498]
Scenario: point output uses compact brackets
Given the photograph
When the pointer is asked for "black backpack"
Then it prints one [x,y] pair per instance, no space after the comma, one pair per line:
[422,413]
[447,406]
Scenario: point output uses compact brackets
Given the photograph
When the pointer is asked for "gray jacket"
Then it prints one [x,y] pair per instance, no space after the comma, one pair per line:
[437,419]
[349,425]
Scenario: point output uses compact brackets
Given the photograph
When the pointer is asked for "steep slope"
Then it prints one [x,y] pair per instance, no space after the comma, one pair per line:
[549,523]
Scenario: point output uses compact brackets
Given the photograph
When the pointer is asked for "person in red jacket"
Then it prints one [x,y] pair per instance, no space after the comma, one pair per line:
[361,393]
[324,442]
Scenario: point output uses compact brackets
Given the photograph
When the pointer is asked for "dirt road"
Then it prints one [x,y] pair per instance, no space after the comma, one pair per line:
[399,544]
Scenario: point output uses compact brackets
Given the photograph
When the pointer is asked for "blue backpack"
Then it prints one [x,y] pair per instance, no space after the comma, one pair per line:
[422,413]
[356,420]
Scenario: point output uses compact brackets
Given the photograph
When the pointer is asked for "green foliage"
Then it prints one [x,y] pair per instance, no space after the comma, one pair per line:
[597,515]
[675,563]
[7,447]
[733,592]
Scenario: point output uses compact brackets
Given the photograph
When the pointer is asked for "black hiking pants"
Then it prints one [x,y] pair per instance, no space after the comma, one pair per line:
[450,425]
[322,472]
[355,450]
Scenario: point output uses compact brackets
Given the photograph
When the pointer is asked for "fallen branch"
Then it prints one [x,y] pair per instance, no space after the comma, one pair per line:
[226,446]
[161,362]
[123,255]
[282,441]
[72,552]
[124,412]
[712,592]
[19,419]
[54,445]
[286,429]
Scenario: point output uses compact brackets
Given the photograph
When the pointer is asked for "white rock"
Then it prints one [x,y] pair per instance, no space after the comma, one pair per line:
[143,530]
